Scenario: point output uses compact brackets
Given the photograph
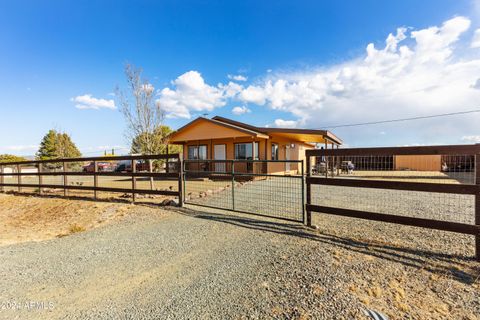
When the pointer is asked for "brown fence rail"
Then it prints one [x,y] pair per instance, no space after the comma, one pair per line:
[382,184]
[126,170]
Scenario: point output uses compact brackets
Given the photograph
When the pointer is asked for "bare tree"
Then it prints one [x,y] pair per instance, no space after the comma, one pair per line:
[143,115]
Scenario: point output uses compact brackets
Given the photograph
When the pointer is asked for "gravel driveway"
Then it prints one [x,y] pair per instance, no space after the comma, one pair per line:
[185,264]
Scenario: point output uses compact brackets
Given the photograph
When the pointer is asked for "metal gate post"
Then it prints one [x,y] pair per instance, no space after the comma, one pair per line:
[303,192]
[309,198]
[477,206]
[181,180]
[233,185]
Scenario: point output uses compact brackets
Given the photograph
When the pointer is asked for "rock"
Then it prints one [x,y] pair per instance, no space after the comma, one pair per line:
[169,202]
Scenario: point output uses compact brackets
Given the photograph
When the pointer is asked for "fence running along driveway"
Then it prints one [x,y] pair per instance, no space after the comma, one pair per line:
[134,167]
[438,187]
[435,187]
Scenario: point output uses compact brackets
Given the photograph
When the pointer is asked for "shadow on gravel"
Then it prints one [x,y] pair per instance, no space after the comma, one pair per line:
[458,267]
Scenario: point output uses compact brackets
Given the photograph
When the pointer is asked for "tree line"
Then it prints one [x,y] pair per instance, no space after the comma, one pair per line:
[144,119]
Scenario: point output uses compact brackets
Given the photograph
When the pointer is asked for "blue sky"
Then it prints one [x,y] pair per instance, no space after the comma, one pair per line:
[304,63]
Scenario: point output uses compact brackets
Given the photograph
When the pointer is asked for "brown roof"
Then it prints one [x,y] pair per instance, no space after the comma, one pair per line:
[325,133]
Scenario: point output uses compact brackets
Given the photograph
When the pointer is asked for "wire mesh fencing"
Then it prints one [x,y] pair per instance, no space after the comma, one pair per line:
[434,187]
[262,187]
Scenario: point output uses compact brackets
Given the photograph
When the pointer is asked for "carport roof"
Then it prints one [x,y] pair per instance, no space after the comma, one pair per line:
[305,135]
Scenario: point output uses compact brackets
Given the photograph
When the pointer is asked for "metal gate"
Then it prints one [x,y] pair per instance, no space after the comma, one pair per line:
[273,188]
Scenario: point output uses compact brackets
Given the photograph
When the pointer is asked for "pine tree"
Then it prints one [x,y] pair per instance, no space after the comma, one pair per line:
[57,145]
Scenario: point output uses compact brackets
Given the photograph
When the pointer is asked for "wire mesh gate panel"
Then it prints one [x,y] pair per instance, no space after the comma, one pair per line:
[263,187]
[436,187]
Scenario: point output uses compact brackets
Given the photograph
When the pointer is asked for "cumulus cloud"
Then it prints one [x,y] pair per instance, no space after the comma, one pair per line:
[476,39]
[280,123]
[416,72]
[240,110]
[87,101]
[237,77]
[471,139]
[190,93]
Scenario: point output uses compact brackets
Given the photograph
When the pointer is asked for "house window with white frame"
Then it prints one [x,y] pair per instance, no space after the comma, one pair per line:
[197,152]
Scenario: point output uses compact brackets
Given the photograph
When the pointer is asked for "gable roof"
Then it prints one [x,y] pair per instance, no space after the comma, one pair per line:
[242,130]
[282,131]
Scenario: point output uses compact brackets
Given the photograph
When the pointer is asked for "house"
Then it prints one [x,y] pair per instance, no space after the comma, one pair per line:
[225,139]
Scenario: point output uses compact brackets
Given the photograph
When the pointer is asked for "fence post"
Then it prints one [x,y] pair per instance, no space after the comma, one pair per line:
[95,179]
[150,169]
[40,178]
[19,178]
[308,212]
[233,185]
[180,180]
[2,181]
[303,190]
[65,182]
[477,206]
[134,179]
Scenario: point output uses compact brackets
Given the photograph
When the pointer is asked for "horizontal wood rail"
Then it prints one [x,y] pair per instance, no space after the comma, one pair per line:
[397,185]
[88,188]
[99,159]
[389,151]
[390,218]
[131,175]
[99,173]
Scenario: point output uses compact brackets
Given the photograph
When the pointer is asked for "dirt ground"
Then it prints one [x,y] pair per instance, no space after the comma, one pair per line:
[32,218]
[109,260]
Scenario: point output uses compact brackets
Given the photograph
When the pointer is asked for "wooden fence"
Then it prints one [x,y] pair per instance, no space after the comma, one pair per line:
[59,167]
[467,184]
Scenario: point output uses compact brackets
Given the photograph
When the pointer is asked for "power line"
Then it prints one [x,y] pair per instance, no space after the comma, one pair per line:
[402,119]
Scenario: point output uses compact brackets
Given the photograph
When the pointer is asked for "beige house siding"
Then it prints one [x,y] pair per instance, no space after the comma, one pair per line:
[418,162]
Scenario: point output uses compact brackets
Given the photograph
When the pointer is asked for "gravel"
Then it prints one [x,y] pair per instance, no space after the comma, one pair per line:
[208,264]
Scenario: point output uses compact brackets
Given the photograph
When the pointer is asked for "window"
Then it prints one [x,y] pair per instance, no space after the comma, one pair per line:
[197,152]
[243,151]
[274,151]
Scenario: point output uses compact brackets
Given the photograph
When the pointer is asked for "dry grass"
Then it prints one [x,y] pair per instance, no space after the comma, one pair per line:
[74,228]
[26,218]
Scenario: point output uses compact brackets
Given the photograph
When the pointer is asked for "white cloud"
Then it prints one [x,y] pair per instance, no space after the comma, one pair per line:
[280,123]
[476,39]
[88,102]
[240,110]
[253,94]
[417,72]
[238,77]
[190,93]
[471,139]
